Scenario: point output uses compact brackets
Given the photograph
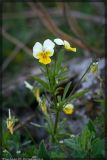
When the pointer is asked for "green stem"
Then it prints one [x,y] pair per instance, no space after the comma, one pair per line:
[29,134]
[56,122]
[48,74]
[77,84]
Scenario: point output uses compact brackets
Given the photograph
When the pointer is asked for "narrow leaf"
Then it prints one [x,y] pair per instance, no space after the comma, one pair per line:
[76,95]
[42,82]
[66,90]
[37,125]
[42,153]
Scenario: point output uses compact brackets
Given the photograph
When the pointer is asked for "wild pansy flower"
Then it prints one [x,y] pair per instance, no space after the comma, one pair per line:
[10,122]
[68,109]
[65,43]
[94,67]
[44,52]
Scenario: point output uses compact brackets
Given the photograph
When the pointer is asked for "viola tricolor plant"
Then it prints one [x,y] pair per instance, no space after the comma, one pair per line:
[54,73]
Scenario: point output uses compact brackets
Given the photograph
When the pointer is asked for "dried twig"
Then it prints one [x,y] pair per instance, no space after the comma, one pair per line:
[24,122]
[73,25]
[15,41]
[39,9]
[58,13]
[72,22]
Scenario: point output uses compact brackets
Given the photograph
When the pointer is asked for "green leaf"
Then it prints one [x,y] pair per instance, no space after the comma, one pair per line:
[57,155]
[42,153]
[103,102]
[98,147]
[84,139]
[91,126]
[59,98]
[62,74]
[42,82]
[37,125]
[66,90]
[74,145]
[76,95]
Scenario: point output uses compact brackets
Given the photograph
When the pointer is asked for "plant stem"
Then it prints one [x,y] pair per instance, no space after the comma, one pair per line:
[77,84]
[48,74]
[54,139]
[56,121]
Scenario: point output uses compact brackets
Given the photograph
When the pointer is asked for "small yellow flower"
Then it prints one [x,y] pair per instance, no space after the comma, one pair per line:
[68,109]
[94,67]
[65,43]
[44,52]
[10,123]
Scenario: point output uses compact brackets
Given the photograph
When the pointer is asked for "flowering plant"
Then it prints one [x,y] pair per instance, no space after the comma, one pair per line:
[54,73]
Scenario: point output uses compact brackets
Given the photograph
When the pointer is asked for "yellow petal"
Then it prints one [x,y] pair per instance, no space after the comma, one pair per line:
[10,125]
[72,49]
[39,55]
[45,59]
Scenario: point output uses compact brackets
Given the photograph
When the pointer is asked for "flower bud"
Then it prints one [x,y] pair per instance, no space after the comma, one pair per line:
[10,122]
[68,109]
[94,67]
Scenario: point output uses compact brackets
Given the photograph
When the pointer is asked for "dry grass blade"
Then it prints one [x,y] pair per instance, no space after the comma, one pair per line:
[57,12]
[24,122]
[72,22]
[15,52]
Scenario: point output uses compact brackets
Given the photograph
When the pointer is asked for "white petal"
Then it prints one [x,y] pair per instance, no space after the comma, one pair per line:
[48,44]
[50,51]
[59,41]
[37,49]
[66,44]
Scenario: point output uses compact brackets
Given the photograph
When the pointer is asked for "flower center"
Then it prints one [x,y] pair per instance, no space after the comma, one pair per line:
[44,55]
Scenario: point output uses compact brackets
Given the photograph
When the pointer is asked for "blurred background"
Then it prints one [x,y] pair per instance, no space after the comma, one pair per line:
[25,23]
